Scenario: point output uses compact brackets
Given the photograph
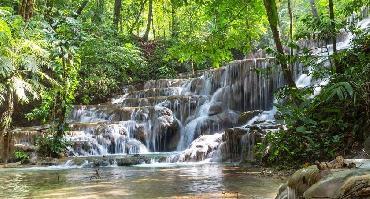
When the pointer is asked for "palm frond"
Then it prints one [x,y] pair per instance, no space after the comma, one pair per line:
[48,78]
[21,88]
[30,64]
[6,66]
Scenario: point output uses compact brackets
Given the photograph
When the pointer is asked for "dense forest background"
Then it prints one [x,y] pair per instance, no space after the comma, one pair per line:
[57,53]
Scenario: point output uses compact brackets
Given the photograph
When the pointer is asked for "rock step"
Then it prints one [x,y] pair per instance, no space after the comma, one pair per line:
[152,92]
[182,108]
[102,112]
[165,83]
[170,100]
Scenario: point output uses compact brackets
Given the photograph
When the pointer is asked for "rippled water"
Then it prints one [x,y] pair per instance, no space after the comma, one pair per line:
[193,181]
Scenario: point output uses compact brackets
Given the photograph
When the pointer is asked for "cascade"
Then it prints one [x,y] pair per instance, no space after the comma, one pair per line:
[237,143]
[169,114]
[187,114]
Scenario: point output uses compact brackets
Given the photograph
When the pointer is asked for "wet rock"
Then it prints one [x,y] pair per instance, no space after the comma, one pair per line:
[215,109]
[140,134]
[165,130]
[231,149]
[239,142]
[132,160]
[285,192]
[302,179]
[201,148]
[248,115]
[25,148]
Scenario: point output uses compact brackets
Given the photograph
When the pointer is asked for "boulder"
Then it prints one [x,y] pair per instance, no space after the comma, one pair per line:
[338,163]
[215,108]
[246,116]
[337,179]
[342,184]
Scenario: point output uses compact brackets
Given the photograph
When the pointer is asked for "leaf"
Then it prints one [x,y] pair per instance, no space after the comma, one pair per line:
[21,87]
[301,129]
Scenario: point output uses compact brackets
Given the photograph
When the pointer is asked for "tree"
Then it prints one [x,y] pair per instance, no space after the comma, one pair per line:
[150,20]
[137,17]
[26,9]
[290,31]
[332,24]
[272,15]
[117,13]
[21,73]
[314,11]
[99,11]
[81,8]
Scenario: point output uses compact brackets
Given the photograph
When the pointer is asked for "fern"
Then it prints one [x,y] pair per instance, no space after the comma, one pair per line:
[341,90]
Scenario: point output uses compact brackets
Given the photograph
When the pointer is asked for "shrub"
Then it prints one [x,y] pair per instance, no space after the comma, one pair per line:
[334,122]
[21,156]
[51,146]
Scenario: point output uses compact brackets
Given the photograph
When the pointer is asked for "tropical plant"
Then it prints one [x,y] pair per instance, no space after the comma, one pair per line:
[21,156]
[23,65]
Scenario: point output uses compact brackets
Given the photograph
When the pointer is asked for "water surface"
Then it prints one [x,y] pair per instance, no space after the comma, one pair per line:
[192,181]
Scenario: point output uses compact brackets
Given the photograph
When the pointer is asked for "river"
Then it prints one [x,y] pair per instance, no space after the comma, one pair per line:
[143,181]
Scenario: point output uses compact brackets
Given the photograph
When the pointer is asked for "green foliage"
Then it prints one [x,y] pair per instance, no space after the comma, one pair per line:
[210,30]
[326,124]
[106,66]
[62,39]
[21,156]
[51,146]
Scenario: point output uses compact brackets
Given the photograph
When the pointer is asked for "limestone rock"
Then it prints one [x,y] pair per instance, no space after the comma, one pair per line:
[334,179]
[246,116]
[25,148]
[338,163]
[215,109]
[340,184]
[303,179]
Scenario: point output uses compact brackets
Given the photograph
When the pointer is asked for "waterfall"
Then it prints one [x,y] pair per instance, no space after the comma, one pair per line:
[169,114]
[188,114]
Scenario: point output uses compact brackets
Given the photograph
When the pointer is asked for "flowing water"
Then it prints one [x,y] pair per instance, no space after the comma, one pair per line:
[187,181]
[195,118]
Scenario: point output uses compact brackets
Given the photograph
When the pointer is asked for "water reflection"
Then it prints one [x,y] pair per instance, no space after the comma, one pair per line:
[199,181]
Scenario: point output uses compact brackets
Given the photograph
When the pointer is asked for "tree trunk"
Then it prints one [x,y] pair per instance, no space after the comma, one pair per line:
[137,18]
[173,20]
[117,13]
[48,10]
[272,16]
[338,67]
[99,11]
[6,120]
[60,104]
[80,9]
[315,13]
[332,24]
[26,9]
[153,28]
[290,31]
[150,15]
